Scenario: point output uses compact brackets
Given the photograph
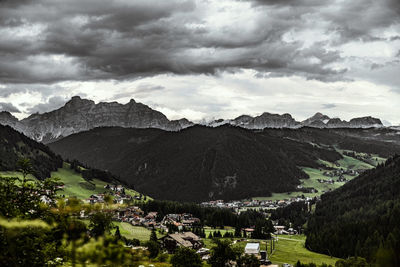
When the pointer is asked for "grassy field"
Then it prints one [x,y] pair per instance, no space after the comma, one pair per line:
[15,174]
[291,249]
[130,231]
[74,184]
[288,249]
[345,163]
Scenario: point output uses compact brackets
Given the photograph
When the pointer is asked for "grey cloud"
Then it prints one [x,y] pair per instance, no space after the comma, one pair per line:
[328,106]
[94,40]
[141,90]
[111,40]
[9,89]
[376,66]
[52,103]
[148,88]
[9,107]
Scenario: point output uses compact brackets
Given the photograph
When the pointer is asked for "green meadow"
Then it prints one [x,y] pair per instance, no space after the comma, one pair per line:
[74,184]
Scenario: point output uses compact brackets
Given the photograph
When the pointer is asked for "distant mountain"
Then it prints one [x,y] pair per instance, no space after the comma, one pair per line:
[6,118]
[79,115]
[198,163]
[319,120]
[266,120]
[361,218]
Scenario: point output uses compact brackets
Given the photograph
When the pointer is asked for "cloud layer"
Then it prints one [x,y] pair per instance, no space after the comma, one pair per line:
[48,44]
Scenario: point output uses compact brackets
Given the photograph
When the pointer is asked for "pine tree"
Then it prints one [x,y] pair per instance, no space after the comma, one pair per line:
[117,233]
[153,235]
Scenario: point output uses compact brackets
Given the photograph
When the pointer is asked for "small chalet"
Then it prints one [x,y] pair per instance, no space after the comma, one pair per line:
[186,239]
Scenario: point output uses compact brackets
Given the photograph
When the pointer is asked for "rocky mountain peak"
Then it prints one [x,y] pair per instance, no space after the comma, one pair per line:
[364,122]
[5,115]
[77,101]
[317,120]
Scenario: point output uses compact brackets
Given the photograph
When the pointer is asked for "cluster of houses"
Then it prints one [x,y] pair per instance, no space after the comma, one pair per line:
[326,181]
[180,220]
[360,156]
[340,172]
[117,192]
[237,206]
[283,230]
[135,216]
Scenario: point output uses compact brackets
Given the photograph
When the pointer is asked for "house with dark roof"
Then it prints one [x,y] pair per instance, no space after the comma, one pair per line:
[186,239]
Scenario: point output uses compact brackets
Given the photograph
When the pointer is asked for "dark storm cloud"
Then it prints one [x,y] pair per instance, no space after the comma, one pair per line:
[47,41]
[9,107]
[289,2]
[356,19]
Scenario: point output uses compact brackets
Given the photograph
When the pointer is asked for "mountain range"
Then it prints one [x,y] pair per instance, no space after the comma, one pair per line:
[226,162]
[319,120]
[79,115]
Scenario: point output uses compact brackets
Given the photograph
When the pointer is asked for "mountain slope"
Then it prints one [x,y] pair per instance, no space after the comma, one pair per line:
[381,141]
[361,218]
[14,145]
[197,163]
[78,181]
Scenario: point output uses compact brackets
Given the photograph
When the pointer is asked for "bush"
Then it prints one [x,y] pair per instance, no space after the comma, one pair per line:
[184,257]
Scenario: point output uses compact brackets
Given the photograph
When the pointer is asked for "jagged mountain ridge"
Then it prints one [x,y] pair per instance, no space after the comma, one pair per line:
[79,115]
[319,120]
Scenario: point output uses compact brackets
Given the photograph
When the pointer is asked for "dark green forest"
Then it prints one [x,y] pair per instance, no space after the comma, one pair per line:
[14,145]
[362,218]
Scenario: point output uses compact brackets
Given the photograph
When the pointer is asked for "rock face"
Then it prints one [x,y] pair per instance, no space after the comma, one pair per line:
[319,120]
[79,115]
[365,122]
[265,120]
[268,120]
[6,118]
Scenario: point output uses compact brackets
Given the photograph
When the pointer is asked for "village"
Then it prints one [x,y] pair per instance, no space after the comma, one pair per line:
[238,206]
[182,230]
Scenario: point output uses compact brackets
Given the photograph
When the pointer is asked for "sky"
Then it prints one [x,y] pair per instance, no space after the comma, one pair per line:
[204,59]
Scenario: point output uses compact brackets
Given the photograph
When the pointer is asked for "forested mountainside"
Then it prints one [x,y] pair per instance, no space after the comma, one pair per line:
[361,218]
[14,145]
[382,141]
[197,163]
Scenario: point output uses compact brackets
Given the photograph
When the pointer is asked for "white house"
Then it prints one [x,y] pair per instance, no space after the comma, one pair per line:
[252,248]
